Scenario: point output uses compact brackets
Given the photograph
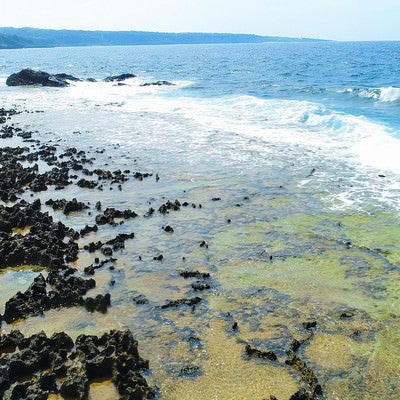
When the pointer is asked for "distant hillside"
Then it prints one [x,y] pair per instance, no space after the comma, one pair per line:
[31,37]
[13,42]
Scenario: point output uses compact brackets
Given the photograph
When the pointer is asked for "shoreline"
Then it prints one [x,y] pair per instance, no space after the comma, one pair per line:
[31,237]
[210,295]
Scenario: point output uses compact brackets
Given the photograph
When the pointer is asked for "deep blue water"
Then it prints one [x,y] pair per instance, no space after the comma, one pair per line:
[360,78]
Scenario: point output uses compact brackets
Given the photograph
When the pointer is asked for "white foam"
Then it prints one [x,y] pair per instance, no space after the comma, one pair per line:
[284,121]
[389,94]
[271,120]
[383,94]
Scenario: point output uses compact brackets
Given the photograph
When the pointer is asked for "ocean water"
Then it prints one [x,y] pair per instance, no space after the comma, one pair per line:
[343,97]
[301,143]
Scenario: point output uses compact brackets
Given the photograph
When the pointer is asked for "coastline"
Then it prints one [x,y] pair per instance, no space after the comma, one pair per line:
[293,310]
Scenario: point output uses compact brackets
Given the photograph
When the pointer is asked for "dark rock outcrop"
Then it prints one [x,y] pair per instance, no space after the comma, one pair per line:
[194,274]
[29,77]
[186,301]
[67,77]
[46,243]
[40,366]
[110,214]
[66,291]
[168,206]
[119,78]
[253,352]
[158,83]
[68,207]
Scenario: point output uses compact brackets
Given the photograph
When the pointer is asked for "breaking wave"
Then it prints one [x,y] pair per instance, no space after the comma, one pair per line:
[383,94]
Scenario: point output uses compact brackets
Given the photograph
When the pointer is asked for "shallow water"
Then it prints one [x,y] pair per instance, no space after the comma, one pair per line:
[300,225]
[278,256]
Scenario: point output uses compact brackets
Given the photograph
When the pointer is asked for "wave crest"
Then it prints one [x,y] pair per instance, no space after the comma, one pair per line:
[383,94]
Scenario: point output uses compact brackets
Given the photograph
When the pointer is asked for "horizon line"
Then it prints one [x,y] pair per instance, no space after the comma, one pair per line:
[167,32]
[202,33]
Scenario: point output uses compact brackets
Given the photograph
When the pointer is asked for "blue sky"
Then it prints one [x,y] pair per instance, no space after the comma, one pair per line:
[326,19]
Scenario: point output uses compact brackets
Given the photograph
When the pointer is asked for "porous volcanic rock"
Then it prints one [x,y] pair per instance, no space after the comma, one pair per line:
[39,366]
[59,289]
[46,243]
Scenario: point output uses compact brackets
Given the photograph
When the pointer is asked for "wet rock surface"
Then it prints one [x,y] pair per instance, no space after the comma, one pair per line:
[158,83]
[47,243]
[64,291]
[38,366]
[27,77]
[111,214]
[119,78]
[30,77]
[187,301]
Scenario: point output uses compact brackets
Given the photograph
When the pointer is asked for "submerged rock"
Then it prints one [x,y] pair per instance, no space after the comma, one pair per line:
[310,387]
[253,352]
[186,301]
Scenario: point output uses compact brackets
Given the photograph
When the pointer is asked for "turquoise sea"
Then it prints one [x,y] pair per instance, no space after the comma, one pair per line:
[292,150]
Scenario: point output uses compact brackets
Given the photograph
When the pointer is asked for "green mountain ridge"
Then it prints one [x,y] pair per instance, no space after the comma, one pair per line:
[15,38]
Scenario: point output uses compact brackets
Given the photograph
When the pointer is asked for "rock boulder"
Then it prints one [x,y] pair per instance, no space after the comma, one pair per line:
[29,77]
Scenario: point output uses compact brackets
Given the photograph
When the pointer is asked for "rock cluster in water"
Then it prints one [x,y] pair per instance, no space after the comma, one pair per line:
[30,77]
[38,366]
[30,236]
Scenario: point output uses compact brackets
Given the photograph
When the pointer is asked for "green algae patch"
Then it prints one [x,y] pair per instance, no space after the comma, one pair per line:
[384,365]
[303,224]
[307,279]
[236,238]
[282,202]
[379,232]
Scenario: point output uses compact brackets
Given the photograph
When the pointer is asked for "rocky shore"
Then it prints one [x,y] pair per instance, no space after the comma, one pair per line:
[38,366]
[200,334]
[29,77]
[29,236]
[58,365]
